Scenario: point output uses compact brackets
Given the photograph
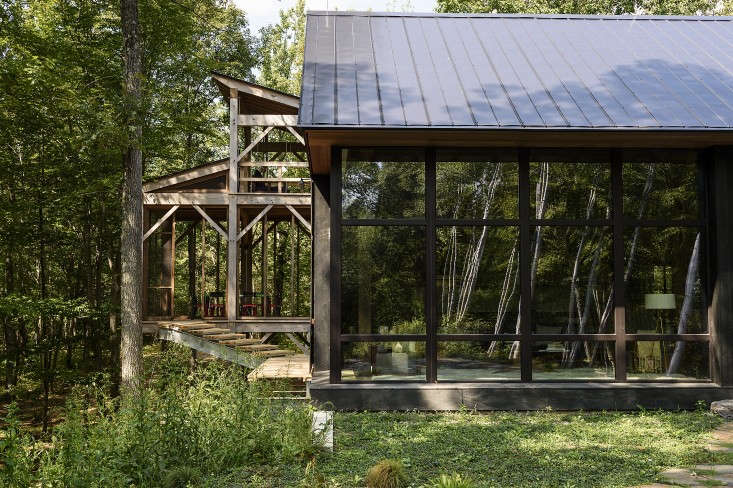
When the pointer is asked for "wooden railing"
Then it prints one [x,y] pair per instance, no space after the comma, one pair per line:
[261,182]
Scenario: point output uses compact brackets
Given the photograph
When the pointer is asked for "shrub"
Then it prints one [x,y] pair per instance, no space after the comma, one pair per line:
[182,477]
[16,453]
[387,474]
[454,480]
[178,431]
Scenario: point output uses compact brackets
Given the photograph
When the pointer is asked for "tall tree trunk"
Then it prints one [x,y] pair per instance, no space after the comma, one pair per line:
[679,348]
[132,211]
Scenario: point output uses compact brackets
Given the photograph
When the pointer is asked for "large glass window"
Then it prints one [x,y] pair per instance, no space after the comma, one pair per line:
[503,265]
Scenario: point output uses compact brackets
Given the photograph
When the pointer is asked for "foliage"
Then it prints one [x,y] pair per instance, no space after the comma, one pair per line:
[588,7]
[183,428]
[17,456]
[537,449]
[454,480]
[388,473]
[281,51]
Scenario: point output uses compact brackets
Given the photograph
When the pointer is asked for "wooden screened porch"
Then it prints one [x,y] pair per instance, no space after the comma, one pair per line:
[228,243]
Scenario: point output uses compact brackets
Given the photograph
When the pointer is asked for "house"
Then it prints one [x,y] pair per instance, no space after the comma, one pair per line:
[507,211]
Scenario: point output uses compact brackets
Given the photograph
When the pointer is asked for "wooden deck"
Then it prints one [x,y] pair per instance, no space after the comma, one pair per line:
[215,339]
[296,366]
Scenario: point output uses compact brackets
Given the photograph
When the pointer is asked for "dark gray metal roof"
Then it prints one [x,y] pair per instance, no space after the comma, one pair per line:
[495,71]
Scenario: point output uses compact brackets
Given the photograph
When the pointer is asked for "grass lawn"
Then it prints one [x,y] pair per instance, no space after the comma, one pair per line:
[540,449]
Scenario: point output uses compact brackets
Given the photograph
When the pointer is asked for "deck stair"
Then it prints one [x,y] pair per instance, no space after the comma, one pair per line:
[220,342]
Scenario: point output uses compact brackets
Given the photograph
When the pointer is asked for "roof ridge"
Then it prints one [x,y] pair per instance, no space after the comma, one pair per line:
[352,13]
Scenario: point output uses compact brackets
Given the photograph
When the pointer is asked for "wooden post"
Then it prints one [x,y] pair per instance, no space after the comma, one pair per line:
[191,243]
[232,228]
[203,269]
[293,265]
[146,271]
[263,268]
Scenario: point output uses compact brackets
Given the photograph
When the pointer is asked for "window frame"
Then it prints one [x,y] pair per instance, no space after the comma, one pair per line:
[617,224]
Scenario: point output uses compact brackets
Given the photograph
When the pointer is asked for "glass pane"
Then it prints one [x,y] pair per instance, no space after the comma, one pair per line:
[478,361]
[477,279]
[570,190]
[661,191]
[666,280]
[587,360]
[382,184]
[383,361]
[572,280]
[383,280]
[477,190]
[664,360]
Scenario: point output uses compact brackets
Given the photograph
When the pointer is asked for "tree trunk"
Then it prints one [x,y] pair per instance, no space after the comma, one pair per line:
[132,211]
[679,348]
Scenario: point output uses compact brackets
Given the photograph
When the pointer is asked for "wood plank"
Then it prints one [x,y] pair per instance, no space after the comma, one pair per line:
[249,148]
[286,164]
[210,221]
[214,331]
[295,366]
[241,342]
[275,179]
[300,218]
[296,135]
[254,221]
[258,347]
[258,91]
[268,119]
[271,327]
[192,327]
[273,353]
[160,221]
[212,348]
[184,176]
[298,343]
[224,337]
[219,199]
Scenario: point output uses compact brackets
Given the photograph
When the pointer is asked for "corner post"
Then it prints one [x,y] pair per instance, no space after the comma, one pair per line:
[232,226]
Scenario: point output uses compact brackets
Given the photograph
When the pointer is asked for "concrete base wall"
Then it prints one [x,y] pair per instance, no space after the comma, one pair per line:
[514,396]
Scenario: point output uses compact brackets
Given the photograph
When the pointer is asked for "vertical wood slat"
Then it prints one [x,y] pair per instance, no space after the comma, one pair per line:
[232,227]
[525,270]
[431,349]
[619,253]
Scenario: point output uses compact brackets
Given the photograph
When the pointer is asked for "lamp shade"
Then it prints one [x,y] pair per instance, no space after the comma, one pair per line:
[660,301]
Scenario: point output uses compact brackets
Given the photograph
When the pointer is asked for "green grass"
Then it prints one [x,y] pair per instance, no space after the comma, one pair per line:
[540,449]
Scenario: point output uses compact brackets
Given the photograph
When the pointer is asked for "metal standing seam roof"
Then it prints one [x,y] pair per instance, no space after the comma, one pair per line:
[365,69]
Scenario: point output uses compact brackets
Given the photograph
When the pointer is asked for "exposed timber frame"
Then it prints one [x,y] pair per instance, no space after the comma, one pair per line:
[246,198]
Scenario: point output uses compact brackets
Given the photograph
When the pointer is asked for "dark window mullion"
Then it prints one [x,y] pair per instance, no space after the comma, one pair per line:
[525,303]
[431,349]
[619,286]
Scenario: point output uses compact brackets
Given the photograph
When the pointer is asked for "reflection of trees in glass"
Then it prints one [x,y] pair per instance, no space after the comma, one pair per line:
[383,279]
[387,189]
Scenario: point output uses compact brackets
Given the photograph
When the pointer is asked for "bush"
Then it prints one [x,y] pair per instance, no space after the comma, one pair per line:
[181,431]
[387,474]
[17,456]
[454,480]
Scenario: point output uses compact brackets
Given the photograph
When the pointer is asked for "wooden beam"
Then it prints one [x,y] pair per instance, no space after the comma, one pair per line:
[298,342]
[253,222]
[232,297]
[280,146]
[182,177]
[267,120]
[259,91]
[210,221]
[276,180]
[186,198]
[302,220]
[160,222]
[249,148]
[222,199]
[287,164]
[296,135]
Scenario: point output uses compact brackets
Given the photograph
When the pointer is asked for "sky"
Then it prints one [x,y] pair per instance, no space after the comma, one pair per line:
[263,12]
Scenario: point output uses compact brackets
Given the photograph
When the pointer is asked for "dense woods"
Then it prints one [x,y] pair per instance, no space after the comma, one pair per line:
[61,157]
